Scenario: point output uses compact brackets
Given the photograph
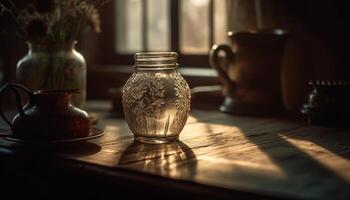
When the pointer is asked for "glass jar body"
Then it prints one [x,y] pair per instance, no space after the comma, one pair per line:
[156,103]
[54,66]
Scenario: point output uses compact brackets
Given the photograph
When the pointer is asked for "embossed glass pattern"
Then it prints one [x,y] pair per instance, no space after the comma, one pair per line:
[156,98]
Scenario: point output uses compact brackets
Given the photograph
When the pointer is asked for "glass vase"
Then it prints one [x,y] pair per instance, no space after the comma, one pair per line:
[156,98]
[54,66]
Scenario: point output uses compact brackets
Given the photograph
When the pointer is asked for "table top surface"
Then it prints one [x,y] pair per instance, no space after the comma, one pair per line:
[268,156]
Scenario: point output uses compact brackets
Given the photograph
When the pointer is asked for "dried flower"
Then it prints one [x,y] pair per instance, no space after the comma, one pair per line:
[94,20]
[4,17]
[44,6]
[36,29]
[55,20]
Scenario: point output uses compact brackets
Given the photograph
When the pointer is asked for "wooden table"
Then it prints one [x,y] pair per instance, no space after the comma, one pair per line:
[218,155]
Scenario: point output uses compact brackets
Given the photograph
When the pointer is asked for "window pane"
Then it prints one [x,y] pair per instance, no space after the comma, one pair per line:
[194,26]
[158,18]
[129,25]
[220,22]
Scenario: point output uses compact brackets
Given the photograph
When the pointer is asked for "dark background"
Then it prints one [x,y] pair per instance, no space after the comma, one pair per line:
[315,49]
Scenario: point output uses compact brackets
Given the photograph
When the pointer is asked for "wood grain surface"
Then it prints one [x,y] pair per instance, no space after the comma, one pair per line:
[267,156]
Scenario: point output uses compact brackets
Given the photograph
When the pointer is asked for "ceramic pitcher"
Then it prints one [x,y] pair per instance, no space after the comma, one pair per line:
[249,69]
[48,115]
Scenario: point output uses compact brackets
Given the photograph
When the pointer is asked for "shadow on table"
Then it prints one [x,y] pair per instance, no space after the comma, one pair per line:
[278,139]
[173,159]
[273,139]
[42,151]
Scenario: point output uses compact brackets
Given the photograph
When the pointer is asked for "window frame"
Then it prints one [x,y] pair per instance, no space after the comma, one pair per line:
[107,39]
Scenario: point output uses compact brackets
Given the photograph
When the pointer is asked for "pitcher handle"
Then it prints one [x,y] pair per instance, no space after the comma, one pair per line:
[214,60]
[13,87]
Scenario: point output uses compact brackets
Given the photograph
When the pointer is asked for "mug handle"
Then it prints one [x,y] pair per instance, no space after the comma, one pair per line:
[13,87]
[214,61]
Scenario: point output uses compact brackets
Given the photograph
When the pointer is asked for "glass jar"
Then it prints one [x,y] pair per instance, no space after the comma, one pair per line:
[54,66]
[156,98]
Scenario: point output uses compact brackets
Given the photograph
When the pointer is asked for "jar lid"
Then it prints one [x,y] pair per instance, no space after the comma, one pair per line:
[156,60]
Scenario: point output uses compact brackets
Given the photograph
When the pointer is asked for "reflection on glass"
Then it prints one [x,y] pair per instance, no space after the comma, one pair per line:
[129,25]
[158,17]
[194,26]
[156,98]
[165,159]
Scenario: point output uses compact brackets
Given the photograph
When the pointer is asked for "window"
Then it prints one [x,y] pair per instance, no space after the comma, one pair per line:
[189,27]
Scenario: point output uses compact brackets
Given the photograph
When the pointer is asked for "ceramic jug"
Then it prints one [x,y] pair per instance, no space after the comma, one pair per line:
[48,115]
[249,69]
